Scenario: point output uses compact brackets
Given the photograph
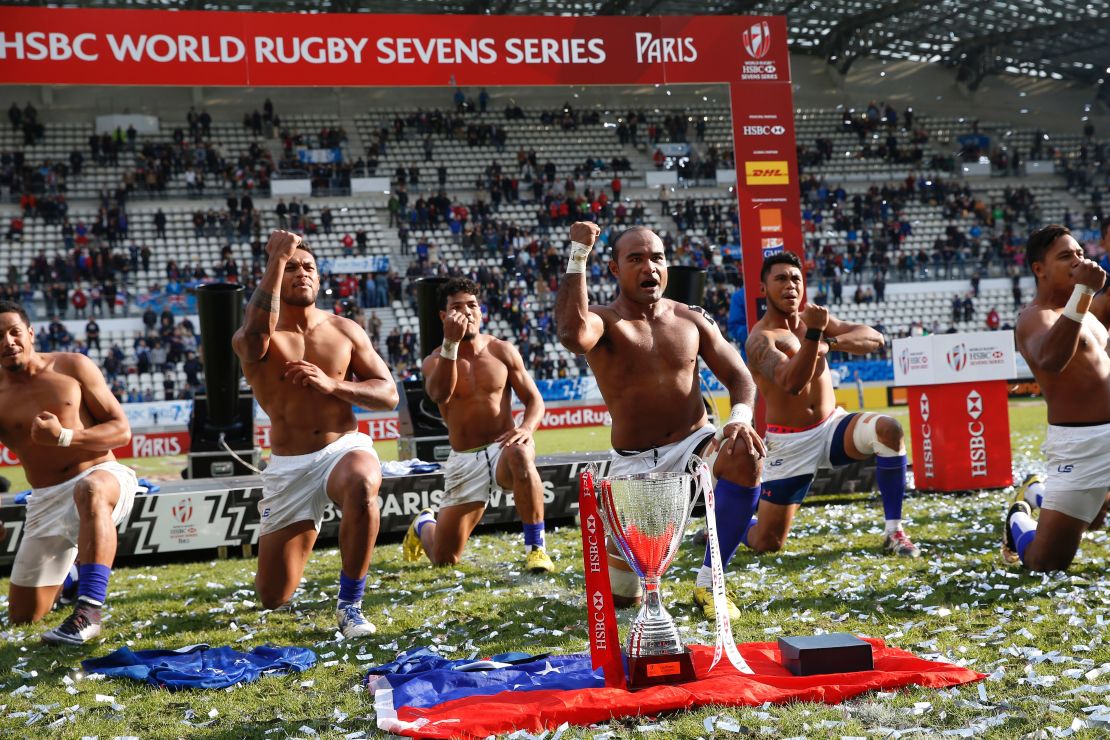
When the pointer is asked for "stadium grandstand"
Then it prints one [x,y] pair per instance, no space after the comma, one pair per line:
[930,140]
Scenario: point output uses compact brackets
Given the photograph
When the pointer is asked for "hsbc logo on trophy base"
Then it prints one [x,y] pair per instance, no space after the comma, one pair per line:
[757,43]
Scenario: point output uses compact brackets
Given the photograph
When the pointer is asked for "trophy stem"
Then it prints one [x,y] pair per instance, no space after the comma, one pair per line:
[653,632]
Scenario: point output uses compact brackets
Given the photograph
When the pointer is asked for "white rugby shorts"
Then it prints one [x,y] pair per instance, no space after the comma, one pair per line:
[1078,469]
[295,487]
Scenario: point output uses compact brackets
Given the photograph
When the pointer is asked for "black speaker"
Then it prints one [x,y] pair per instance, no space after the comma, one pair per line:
[220,308]
[420,427]
[208,458]
[427,311]
[686,285]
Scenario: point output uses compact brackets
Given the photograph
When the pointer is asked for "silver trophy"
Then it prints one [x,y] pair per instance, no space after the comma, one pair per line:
[646,516]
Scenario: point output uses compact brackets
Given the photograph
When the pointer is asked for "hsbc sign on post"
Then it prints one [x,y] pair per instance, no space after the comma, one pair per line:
[959,431]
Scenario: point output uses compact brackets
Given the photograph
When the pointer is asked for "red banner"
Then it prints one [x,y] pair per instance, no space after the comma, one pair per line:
[601,616]
[150,47]
[961,436]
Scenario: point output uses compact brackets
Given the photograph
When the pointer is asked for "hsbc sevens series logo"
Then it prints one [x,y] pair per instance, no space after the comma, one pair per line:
[957,357]
[757,43]
[183,510]
[757,40]
[904,361]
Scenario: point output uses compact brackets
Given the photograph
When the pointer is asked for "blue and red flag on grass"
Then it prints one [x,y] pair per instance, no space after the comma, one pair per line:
[423,695]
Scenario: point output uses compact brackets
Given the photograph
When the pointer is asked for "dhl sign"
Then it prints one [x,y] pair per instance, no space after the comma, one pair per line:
[766,173]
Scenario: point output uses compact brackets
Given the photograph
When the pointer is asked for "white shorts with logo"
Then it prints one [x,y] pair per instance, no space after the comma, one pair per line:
[791,454]
[470,477]
[295,487]
[670,458]
[1078,470]
[51,525]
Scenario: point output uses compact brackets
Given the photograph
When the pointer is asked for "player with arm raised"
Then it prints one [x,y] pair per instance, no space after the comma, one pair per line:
[1066,348]
[59,416]
[472,377]
[644,349]
[806,430]
[307,368]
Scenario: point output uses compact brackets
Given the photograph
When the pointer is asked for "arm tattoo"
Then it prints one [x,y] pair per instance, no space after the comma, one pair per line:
[265,301]
[764,357]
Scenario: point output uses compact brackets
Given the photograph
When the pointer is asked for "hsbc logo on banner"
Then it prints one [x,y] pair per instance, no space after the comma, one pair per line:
[974,405]
[757,40]
[757,43]
[957,357]
[928,461]
[764,130]
[977,444]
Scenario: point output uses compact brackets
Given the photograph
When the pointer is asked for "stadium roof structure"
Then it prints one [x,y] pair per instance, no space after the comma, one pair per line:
[1058,39]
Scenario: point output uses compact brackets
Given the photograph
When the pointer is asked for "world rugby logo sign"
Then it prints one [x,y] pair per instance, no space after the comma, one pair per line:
[757,40]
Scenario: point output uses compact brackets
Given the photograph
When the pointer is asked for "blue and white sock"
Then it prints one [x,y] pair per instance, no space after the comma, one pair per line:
[425,517]
[350,589]
[533,536]
[890,475]
[1034,494]
[735,505]
[1023,528]
[92,583]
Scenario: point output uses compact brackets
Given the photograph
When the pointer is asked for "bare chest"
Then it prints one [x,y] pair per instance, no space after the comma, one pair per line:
[331,352]
[20,404]
[640,347]
[481,376]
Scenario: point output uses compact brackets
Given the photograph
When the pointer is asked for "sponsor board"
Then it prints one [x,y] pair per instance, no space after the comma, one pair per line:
[769,172]
[379,428]
[203,515]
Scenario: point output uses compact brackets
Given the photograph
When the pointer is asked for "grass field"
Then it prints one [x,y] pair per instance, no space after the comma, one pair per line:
[1042,639]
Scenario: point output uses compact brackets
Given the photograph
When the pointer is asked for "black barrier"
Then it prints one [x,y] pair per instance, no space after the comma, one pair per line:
[686,285]
[427,311]
[220,309]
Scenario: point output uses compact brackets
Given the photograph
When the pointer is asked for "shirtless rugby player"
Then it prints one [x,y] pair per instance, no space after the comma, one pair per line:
[1065,345]
[472,377]
[58,415]
[307,367]
[806,430]
[644,349]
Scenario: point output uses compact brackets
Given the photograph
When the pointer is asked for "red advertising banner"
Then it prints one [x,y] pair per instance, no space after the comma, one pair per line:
[161,444]
[961,436]
[151,47]
[65,46]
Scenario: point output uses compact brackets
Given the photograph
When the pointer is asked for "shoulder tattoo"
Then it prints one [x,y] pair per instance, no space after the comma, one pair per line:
[703,312]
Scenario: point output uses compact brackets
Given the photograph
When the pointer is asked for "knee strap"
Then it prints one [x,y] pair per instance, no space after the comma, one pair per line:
[866,438]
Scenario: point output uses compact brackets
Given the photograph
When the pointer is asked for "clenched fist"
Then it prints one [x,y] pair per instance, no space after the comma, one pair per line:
[584,232]
[282,244]
[1087,272]
[815,317]
[455,323]
[46,429]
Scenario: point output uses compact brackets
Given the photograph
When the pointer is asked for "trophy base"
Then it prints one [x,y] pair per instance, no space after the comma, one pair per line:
[654,670]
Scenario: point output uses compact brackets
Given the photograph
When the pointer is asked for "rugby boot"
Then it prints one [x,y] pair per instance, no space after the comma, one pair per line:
[352,623]
[538,561]
[703,597]
[78,628]
[1010,554]
[900,544]
[411,549]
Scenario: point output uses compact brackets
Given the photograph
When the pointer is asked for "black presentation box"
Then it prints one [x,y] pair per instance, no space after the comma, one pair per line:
[838,652]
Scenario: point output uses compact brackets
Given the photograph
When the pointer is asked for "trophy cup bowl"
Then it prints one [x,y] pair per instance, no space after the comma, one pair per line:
[646,516]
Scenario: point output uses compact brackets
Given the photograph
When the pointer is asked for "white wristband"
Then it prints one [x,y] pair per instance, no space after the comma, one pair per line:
[449,350]
[741,414]
[1071,310]
[579,255]
[65,437]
